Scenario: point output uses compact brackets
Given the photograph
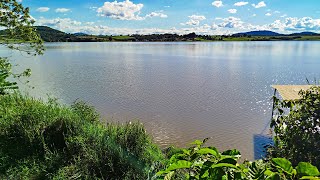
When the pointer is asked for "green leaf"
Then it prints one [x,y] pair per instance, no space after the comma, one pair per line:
[161,172]
[284,164]
[307,169]
[224,165]
[233,152]
[310,178]
[228,160]
[182,164]
[197,142]
[274,176]
[208,151]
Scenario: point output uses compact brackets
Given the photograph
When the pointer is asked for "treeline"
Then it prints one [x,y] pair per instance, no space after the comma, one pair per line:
[51,35]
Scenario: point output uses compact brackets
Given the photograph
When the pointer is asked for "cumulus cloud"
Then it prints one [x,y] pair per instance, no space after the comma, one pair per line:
[194,20]
[58,23]
[217,3]
[62,10]
[232,11]
[43,9]
[231,22]
[71,26]
[157,14]
[125,10]
[268,14]
[259,5]
[241,3]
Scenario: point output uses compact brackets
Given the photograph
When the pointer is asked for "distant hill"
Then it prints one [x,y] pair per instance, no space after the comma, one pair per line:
[305,34]
[258,33]
[80,34]
[52,35]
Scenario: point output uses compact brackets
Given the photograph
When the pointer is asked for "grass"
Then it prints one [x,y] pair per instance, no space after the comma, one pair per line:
[45,140]
[122,38]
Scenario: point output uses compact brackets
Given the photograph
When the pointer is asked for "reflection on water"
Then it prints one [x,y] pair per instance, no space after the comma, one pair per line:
[180,91]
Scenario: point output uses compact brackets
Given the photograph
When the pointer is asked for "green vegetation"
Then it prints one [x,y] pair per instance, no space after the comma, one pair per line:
[51,35]
[297,133]
[198,162]
[18,35]
[46,141]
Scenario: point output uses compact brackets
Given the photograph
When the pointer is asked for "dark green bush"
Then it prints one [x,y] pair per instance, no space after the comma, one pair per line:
[297,128]
[46,140]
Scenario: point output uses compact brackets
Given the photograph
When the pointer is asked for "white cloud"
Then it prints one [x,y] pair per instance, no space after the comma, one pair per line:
[157,14]
[241,3]
[43,9]
[125,10]
[259,5]
[194,20]
[19,1]
[268,14]
[217,3]
[277,12]
[231,22]
[284,15]
[62,10]
[60,23]
[294,24]
[254,15]
[232,11]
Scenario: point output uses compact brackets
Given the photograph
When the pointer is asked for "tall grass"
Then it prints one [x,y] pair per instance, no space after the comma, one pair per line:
[45,140]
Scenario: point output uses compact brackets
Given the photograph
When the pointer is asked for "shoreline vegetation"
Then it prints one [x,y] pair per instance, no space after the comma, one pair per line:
[52,35]
[46,140]
[42,139]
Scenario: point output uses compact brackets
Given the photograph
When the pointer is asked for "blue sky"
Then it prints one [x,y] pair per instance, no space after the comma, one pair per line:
[176,16]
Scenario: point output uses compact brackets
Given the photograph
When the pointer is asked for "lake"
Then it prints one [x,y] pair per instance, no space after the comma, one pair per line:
[180,91]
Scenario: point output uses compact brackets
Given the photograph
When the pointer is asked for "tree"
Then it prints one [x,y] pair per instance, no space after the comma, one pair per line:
[18,34]
[297,133]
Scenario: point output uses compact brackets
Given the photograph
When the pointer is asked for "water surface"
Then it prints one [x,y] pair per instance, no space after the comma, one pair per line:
[179,91]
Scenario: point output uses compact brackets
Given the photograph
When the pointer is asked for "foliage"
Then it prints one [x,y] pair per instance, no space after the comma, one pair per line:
[18,35]
[198,162]
[48,141]
[297,128]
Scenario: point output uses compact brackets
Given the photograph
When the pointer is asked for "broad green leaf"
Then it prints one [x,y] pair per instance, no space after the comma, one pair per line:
[228,160]
[207,151]
[224,165]
[284,164]
[310,178]
[197,142]
[307,169]
[182,164]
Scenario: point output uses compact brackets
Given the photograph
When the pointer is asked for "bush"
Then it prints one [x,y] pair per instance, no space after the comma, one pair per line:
[207,163]
[41,140]
[297,128]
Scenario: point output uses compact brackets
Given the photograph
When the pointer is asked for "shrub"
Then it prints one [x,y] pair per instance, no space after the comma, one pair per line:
[297,128]
[198,162]
[48,141]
